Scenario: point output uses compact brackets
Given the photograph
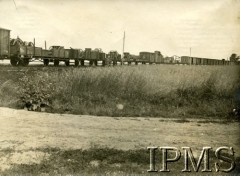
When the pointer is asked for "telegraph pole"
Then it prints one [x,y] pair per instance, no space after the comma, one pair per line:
[123,42]
[190,56]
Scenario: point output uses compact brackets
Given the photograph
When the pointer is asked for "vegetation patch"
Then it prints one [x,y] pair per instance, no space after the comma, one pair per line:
[105,161]
[156,90]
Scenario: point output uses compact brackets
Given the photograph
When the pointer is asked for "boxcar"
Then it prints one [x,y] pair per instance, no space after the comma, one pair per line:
[152,58]
[204,61]
[198,61]
[193,60]
[145,57]
[158,57]
[4,43]
[186,60]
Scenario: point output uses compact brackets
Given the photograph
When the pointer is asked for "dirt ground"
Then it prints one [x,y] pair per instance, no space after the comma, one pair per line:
[23,131]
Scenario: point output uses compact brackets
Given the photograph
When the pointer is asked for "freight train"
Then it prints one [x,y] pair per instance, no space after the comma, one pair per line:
[20,53]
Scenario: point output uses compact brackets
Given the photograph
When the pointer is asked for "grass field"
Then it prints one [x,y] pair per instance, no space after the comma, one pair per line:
[144,90]
[108,162]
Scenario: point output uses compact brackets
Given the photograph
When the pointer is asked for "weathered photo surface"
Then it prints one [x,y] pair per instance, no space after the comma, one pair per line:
[119,87]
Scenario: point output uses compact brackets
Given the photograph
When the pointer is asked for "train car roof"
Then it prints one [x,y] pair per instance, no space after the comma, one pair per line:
[144,52]
[4,29]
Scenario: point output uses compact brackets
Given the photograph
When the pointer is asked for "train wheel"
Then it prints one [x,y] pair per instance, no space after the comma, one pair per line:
[46,62]
[76,62]
[82,62]
[14,61]
[67,63]
[56,62]
[96,63]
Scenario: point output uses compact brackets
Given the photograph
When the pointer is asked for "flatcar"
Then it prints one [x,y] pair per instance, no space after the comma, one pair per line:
[21,53]
[93,56]
[130,58]
[144,57]
[113,57]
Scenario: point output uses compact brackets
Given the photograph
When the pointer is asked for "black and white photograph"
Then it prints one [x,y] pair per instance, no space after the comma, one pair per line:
[119,87]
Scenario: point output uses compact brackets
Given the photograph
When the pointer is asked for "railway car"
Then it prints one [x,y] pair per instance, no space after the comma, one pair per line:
[209,62]
[158,57]
[114,57]
[4,43]
[198,61]
[130,58]
[202,61]
[186,60]
[127,57]
[76,55]
[152,58]
[57,54]
[93,56]
[22,52]
[168,60]
[192,60]
[226,62]
[45,56]
[145,57]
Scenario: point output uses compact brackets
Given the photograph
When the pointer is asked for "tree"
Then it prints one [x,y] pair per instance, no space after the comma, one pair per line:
[238,58]
[233,57]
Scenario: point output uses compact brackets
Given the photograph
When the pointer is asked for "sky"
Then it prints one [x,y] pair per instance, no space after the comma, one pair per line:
[210,28]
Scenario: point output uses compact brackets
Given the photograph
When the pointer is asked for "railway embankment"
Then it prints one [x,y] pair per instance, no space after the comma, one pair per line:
[144,90]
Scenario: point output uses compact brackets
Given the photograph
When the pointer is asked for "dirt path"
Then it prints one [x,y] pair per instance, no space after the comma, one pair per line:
[23,131]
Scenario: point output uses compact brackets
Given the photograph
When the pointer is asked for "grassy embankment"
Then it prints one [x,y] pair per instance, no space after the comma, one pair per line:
[156,90]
